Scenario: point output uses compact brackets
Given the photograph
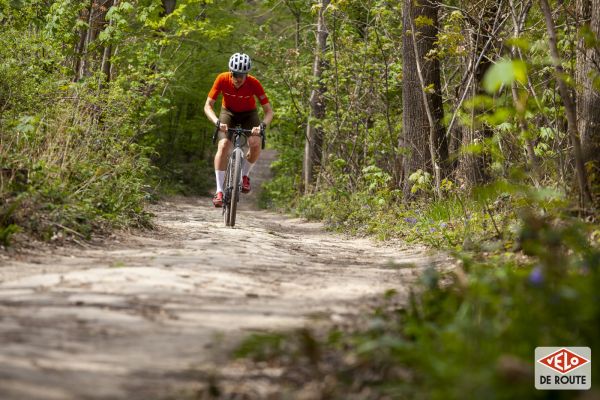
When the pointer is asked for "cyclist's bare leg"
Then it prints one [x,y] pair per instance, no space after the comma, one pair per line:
[254,151]
[223,151]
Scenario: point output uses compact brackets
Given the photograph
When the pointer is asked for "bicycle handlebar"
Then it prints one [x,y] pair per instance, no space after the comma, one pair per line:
[239,130]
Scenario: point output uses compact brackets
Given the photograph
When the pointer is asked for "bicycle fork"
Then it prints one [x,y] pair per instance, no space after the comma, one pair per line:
[232,180]
[239,153]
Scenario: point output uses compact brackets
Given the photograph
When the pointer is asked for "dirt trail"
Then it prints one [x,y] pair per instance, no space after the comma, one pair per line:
[135,319]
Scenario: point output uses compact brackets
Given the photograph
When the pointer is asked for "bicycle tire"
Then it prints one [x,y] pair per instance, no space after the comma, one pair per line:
[227,194]
[235,192]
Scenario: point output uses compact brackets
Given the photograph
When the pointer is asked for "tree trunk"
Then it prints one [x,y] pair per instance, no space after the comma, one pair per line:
[105,65]
[473,169]
[588,100]
[417,129]
[105,68]
[86,58]
[314,132]
[585,196]
[534,164]
[96,20]
[79,49]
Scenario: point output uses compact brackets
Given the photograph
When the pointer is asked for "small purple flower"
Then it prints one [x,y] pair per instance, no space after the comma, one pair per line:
[585,268]
[431,230]
[536,277]
[443,225]
[411,220]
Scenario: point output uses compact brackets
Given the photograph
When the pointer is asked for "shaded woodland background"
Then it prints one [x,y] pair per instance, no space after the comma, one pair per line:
[471,126]
[429,97]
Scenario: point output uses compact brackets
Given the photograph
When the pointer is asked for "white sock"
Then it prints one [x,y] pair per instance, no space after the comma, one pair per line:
[220,176]
[247,168]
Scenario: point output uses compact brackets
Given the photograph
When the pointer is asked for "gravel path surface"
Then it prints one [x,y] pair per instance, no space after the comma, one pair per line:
[136,318]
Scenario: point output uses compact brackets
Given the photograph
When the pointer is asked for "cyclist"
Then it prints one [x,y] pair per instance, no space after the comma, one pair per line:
[238,108]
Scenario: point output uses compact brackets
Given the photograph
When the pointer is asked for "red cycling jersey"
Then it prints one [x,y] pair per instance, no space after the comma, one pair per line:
[238,100]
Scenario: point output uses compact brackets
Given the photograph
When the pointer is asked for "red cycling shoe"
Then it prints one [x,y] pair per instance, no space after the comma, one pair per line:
[218,199]
[245,184]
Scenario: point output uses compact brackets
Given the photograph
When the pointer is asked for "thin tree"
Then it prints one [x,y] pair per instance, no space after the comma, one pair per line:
[482,35]
[314,131]
[105,65]
[585,195]
[519,18]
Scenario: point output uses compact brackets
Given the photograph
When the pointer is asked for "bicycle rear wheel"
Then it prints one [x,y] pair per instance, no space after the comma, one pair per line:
[235,185]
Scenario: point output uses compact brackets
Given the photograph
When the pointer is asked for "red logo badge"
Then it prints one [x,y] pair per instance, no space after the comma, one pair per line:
[563,361]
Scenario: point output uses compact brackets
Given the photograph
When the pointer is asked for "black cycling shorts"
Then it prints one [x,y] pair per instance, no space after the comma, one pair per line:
[247,120]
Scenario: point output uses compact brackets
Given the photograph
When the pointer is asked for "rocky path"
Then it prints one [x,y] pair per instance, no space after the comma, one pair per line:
[138,317]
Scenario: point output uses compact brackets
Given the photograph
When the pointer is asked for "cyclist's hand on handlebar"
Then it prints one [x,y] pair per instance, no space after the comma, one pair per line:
[223,128]
[256,131]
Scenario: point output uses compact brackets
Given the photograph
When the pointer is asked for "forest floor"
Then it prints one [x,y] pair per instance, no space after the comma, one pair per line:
[146,315]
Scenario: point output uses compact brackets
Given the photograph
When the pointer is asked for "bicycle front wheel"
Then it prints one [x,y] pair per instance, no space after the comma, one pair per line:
[227,189]
[235,185]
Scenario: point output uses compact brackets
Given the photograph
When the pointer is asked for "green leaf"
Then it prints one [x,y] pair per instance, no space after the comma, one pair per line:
[27,124]
[422,20]
[479,102]
[504,73]
[472,148]
[519,42]
[500,115]
[339,163]
[126,6]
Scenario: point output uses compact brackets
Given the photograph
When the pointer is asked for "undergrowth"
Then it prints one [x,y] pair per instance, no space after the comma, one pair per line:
[526,276]
[69,160]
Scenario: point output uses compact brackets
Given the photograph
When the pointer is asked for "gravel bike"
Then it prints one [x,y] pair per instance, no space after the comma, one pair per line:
[233,174]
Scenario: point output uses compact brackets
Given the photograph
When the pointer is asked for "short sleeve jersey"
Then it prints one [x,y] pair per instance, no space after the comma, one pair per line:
[238,100]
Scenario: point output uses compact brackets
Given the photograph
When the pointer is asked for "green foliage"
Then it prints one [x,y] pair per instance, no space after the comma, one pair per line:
[421,181]
[7,228]
[422,20]
[6,232]
[449,40]
[261,346]
[78,176]
[504,73]
[281,192]
[77,143]
[470,332]
[492,315]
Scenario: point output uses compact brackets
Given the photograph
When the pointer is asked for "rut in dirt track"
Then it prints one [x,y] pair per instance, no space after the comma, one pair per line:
[138,318]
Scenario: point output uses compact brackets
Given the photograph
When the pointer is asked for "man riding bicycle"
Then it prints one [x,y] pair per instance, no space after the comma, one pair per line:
[238,108]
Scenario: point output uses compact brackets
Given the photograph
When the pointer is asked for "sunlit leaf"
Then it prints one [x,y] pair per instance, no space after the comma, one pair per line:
[472,148]
[501,115]
[519,42]
[422,20]
[504,73]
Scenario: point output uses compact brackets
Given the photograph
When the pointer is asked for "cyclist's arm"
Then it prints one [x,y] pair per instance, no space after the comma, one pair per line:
[209,111]
[268,110]
[259,92]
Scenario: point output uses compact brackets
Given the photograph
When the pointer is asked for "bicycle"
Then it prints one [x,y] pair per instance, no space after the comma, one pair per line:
[233,186]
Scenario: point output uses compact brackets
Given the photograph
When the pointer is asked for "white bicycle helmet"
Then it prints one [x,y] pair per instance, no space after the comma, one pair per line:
[240,63]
